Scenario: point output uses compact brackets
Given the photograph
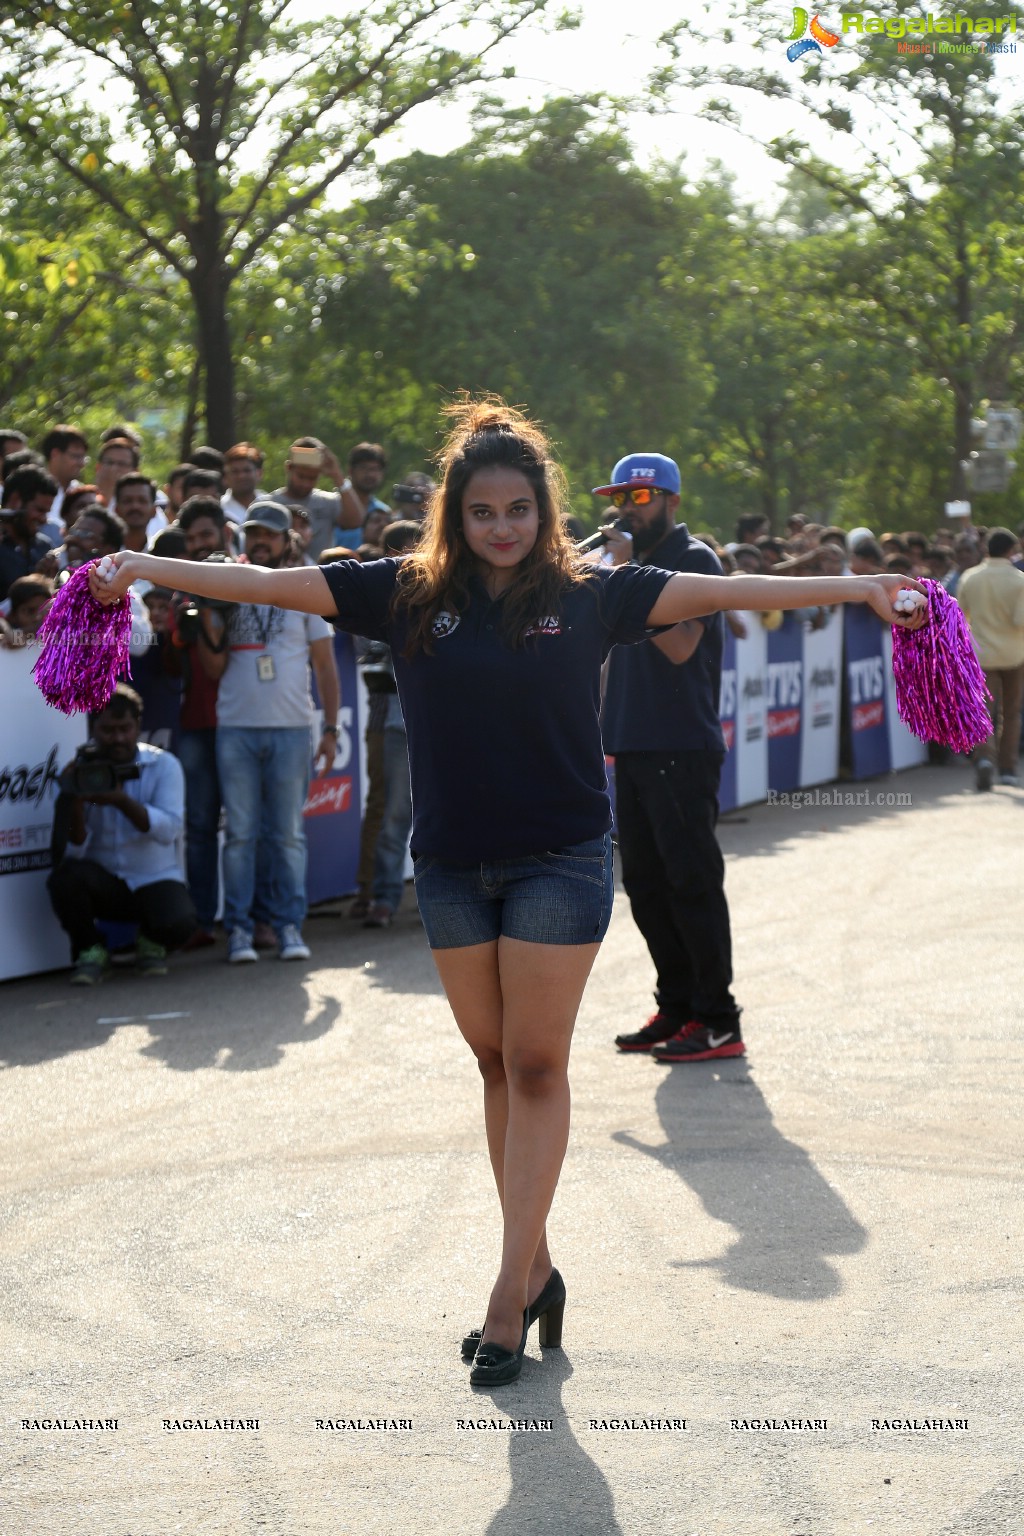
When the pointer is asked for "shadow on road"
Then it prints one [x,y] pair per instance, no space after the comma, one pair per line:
[721,1140]
[201,1015]
[556,1487]
[829,808]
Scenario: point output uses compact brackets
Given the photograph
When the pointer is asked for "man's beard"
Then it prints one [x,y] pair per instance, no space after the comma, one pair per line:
[645,538]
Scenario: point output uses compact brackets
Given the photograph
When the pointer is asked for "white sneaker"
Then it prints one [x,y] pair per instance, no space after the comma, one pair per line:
[240,950]
[1012,779]
[292,947]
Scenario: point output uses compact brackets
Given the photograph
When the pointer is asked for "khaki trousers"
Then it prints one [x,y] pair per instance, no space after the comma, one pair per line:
[1003,746]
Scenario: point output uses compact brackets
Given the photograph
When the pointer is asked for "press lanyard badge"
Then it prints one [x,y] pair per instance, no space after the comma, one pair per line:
[265,669]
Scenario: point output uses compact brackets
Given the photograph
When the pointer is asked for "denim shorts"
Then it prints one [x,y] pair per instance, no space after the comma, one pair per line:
[563,896]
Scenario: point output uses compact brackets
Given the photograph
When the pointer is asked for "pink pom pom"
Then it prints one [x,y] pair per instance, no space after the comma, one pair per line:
[84,647]
[940,687]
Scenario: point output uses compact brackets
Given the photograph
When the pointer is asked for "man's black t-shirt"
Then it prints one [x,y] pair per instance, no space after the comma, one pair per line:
[655,705]
[505,747]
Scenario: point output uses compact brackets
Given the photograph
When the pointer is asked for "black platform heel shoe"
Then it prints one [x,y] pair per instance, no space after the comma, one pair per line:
[494,1366]
[550,1300]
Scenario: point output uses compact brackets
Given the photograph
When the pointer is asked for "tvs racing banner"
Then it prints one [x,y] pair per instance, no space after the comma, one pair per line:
[781,704]
[35,744]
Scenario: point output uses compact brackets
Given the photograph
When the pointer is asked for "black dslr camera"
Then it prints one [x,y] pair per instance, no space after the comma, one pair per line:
[410,496]
[90,773]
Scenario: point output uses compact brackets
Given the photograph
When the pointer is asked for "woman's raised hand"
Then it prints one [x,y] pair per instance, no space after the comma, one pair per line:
[111,577]
[882,594]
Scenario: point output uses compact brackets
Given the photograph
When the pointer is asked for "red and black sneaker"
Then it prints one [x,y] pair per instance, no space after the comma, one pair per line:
[700,1042]
[656,1029]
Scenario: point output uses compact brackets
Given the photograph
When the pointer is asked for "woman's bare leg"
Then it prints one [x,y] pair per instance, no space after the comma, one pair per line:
[516,1004]
[472,985]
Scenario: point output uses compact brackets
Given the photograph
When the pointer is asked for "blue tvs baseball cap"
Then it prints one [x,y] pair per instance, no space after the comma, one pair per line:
[652,469]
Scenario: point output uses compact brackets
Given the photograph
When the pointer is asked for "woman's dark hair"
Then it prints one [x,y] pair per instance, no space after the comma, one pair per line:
[488,434]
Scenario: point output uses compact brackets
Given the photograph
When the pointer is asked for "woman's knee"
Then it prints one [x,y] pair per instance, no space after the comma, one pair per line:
[535,1073]
[491,1064]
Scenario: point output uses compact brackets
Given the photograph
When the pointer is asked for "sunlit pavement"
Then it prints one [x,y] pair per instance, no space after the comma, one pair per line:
[261,1194]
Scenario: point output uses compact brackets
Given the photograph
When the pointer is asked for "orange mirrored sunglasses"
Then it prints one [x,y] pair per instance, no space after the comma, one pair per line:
[638,495]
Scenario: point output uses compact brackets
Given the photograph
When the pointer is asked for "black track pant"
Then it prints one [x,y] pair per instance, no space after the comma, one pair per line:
[673,872]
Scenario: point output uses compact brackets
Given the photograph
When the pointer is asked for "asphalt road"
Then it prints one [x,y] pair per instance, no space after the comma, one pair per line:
[262,1194]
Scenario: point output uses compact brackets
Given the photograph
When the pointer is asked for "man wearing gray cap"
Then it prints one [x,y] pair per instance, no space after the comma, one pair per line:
[264,712]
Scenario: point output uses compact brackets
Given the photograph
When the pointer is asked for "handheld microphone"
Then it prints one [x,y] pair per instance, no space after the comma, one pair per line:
[601,536]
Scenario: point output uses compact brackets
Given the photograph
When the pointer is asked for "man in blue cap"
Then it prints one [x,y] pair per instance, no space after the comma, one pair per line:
[661,724]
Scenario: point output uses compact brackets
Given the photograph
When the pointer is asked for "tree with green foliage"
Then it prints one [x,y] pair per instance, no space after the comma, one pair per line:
[227,125]
[526,262]
[929,163]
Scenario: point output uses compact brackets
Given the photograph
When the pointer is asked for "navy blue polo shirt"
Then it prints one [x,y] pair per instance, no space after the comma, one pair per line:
[505,748]
[652,704]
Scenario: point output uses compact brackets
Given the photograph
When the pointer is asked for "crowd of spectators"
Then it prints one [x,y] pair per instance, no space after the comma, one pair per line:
[53,518]
[242,754]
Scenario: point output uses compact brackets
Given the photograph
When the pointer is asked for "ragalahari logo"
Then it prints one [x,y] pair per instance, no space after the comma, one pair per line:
[820,36]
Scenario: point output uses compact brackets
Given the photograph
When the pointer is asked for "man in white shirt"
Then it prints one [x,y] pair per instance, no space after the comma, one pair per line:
[125,843]
[243,467]
[66,452]
[264,714]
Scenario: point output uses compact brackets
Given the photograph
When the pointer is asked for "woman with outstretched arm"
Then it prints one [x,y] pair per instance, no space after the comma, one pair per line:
[498,630]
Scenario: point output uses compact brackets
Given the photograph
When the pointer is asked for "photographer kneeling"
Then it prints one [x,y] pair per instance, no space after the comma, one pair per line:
[120,819]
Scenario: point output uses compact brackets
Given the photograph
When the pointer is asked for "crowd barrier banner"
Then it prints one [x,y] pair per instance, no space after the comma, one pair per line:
[822,684]
[743,709]
[780,708]
[36,743]
[905,750]
[879,741]
[784,682]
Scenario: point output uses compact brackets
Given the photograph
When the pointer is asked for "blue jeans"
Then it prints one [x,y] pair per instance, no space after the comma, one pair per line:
[393,837]
[265,774]
[197,753]
[561,896]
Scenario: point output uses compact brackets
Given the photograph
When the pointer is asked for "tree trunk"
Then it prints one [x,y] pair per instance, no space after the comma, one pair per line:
[209,286]
[963,393]
[188,428]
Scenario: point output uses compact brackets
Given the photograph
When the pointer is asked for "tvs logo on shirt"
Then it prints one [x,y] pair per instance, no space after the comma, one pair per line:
[445,624]
[549,626]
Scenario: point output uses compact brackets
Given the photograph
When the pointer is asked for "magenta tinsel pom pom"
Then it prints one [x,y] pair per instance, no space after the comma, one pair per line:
[940,687]
[84,647]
